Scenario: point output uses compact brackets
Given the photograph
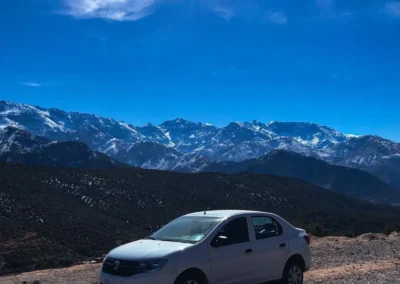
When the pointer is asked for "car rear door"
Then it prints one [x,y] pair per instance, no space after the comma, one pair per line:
[270,248]
[231,254]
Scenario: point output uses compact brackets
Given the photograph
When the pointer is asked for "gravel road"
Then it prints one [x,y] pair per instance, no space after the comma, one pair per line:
[370,258]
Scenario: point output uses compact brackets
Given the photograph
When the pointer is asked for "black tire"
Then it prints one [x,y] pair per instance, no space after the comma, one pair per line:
[293,273]
[191,277]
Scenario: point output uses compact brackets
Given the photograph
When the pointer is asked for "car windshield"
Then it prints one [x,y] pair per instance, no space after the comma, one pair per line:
[186,229]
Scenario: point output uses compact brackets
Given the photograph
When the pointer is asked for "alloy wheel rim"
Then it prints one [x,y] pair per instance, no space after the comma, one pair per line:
[295,275]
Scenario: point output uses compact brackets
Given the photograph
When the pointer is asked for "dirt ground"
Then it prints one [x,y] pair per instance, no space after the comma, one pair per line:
[370,258]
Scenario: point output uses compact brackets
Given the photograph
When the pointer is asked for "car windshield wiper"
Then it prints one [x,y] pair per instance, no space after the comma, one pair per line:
[186,242]
[151,238]
[179,241]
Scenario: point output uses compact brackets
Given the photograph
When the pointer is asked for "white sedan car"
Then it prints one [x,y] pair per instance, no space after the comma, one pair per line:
[213,247]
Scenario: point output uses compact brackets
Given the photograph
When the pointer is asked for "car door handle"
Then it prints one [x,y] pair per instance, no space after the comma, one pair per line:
[248,251]
[282,245]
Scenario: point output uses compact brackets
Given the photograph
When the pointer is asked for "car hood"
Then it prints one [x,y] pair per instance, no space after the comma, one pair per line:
[146,249]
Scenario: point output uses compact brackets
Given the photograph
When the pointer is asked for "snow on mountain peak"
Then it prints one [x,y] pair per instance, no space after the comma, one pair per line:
[180,123]
[351,135]
[127,126]
[195,140]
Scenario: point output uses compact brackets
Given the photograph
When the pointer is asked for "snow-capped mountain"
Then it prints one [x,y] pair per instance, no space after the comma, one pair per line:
[190,163]
[149,155]
[188,146]
[59,125]
[155,133]
[309,134]
[18,142]
[19,146]
[254,149]
[373,154]
[363,151]
[236,141]
[188,136]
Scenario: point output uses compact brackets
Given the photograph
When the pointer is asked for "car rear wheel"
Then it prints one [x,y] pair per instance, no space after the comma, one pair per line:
[293,274]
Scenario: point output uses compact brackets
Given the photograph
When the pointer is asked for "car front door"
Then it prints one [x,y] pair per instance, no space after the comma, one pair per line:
[270,249]
[231,254]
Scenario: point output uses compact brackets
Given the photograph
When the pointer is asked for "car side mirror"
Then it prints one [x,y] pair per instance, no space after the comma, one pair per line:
[220,241]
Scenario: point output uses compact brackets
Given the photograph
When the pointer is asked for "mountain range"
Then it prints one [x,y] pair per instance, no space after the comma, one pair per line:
[187,146]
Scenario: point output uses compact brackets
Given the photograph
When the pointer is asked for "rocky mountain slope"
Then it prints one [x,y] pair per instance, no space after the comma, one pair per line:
[374,154]
[19,146]
[54,216]
[234,142]
[146,155]
[340,179]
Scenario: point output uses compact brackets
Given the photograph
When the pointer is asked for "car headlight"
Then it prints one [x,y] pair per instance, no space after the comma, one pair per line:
[104,259]
[150,265]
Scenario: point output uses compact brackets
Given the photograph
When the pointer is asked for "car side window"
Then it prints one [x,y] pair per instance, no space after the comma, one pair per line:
[235,232]
[266,227]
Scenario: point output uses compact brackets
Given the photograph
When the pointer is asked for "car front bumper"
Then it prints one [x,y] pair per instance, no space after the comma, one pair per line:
[146,278]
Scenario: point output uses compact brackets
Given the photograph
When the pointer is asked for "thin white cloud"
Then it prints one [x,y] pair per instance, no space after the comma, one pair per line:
[277,17]
[393,9]
[226,13]
[117,10]
[31,84]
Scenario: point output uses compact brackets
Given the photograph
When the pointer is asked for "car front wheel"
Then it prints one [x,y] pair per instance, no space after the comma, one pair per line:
[192,277]
[293,274]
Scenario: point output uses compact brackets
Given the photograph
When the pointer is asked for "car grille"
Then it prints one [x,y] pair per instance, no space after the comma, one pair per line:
[124,268]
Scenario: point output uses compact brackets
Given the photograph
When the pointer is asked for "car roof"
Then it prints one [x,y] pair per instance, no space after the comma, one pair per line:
[224,213]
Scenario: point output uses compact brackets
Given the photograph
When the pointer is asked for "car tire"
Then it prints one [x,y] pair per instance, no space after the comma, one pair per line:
[293,273]
[191,277]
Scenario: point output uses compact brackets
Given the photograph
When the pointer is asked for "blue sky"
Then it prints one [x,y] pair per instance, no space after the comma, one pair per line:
[334,62]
